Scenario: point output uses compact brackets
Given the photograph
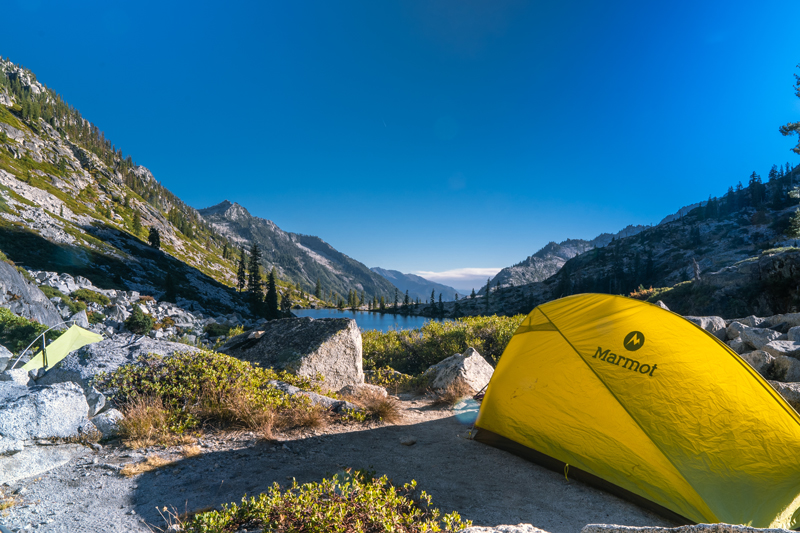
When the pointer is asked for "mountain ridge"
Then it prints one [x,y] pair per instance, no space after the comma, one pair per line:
[417,286]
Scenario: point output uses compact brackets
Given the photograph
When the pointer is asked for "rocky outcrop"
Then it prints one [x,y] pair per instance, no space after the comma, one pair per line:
[757,338]
[519,528]
[331,404]
[699,528]
[24,298]
[107,356]
[713,324]
[57,411]
[469,367]
[330,347]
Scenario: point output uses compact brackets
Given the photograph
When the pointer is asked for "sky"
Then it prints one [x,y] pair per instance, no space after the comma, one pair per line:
[444,137]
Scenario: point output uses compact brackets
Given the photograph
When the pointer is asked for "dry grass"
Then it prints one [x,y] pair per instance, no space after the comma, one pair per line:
[235,408]
[153,462]
[313,417]
[146,422]
[8,500]
[191,450]
[380,407]
[453,393]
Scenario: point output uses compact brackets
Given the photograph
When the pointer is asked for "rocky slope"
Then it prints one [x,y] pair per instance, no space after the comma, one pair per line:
[73,203]
[549,260]
[302,259]
[417,286]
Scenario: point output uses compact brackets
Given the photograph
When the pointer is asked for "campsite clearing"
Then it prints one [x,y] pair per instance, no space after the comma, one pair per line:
[485,485]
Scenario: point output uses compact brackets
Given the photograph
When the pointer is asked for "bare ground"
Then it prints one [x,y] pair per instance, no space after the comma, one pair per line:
[485,485]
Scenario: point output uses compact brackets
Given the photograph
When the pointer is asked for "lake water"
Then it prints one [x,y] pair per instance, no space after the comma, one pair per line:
[367,320]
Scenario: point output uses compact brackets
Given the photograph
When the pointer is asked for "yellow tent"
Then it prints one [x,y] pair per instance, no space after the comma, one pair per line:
[636,399]
[72,339]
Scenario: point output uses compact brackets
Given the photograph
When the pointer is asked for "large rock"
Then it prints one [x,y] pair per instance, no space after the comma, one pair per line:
[713,324]
[735,329]
[36,460]
[789,391]
[107,423]
[106,356]
[81,319]
[24,298]
[56,411]
[759,360]
[698,528]
[331,404]
[777,368]
[757,338]
[330,347]
[787,348]
[469,367]
[519,528]
[6,358]
[794,333]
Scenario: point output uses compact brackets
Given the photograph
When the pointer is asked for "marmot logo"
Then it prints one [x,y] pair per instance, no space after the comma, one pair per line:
[633,341]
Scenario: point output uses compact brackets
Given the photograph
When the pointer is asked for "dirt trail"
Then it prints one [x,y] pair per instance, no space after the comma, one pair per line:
[485,485]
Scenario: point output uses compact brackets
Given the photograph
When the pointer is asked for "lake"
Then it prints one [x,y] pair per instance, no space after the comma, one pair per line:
[367,320]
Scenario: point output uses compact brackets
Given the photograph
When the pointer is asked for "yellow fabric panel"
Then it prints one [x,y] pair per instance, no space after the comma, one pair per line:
[542,395]
[72,339]
[535,321]
[726,430]
[672,415]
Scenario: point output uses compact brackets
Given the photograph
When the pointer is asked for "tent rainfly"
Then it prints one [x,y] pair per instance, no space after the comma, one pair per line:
[637,400]
[72,339]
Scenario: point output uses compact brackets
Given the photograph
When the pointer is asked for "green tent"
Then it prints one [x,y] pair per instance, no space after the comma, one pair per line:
[72,339]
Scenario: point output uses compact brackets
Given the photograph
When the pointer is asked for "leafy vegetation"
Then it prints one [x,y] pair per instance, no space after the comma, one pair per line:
[90,296]
[166,397]
[74,307]
[413,351]
[139,322]
[16,332]
[350,502]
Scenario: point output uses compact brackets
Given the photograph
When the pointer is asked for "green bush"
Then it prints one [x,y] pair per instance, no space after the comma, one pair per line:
[215,330]
[413,351]
[95,317]
[194,387]
[139,322]
[342,504]
[74,307]
[16,333]
[87,296]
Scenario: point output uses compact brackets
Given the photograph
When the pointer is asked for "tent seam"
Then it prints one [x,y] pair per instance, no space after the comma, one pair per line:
[650,438]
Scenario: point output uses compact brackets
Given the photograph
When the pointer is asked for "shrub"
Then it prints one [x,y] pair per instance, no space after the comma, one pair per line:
[413,351]
[456,391]
[146,298]
[139,322]
[349,502]
[16,333]
[204,387]
[74,307]
[86,295]
[216,330]
[95,317]
[164,323]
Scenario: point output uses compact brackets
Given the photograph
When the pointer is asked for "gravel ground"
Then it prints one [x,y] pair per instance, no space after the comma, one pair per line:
[485,485]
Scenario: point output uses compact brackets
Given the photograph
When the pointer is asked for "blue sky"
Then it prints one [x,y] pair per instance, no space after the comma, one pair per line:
[429,136]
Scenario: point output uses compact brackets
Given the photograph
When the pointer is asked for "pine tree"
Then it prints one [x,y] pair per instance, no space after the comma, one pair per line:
[272,311]
[154,238]
[255,284]
[472,296]
[225,251]
[286,304]
[793,230]
[241,273]
[318,290]
[433,297]
[406,299]
[396,297]
[170,291]
[441,305]
[136,226]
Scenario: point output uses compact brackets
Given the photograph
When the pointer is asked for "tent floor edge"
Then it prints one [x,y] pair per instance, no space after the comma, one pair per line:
[498,441]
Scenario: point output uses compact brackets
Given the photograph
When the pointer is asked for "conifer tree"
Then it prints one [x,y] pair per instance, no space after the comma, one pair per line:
[286,304]
[255,284]
[170,291]
[241,273]
[318,290]
[793,230]
[433,297]
[472,296]
[225,251]
[396,297]
[154,238]
[406,299]
[272,311]
[137,223]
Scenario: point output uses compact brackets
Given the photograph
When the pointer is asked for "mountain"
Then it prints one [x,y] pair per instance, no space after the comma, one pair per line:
[417,286]
[730,256]
[301,259]
[549,260]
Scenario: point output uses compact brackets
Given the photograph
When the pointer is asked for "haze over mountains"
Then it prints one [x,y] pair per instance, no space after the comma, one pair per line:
[417,286]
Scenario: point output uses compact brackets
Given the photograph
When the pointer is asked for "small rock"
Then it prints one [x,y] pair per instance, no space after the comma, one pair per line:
[107,423]
[408,441]
[737,345]
[662,305]
[734,329]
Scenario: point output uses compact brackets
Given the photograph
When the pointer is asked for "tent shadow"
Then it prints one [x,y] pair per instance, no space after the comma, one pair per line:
[484,484]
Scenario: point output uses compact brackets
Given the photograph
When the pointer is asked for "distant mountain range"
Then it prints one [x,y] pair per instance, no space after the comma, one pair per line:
[302,259]
[417,286]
